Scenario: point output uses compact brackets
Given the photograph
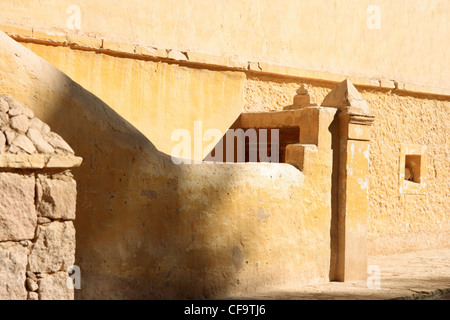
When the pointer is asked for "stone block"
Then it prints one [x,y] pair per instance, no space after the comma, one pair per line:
[4,105]
[10,136]
[58,143]
[31,284]
[4,119]
[56,199]
[18,217]
[20,123]
[39,142]
[299,156]
[301,100]
[13,267]
[13,149]
[151,52]
[43,220]
[84,42]
[236,62]
[17,108]
[54,287]
[33,296]
[54,249]
[2,142]
[118,47]
[23,143]
[295,155]
[66,161]
[53,37]
[41,126]
[206,59]
[22,161]
[310,125]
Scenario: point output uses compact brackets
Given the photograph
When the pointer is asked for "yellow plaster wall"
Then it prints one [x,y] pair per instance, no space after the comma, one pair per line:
[147,228]
[252,92]
[157,98]
[151,95]
[400,119]
[410,221]
[396,222]
[324,35]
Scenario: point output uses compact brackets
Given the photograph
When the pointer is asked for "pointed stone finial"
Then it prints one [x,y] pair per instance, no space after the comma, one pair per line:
[302,90]
[347,98]
[303,99]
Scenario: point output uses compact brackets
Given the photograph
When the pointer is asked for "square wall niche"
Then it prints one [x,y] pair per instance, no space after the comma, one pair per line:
[412,171]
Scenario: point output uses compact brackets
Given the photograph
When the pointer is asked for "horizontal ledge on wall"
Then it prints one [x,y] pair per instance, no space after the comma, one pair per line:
[38,161]
[86,42]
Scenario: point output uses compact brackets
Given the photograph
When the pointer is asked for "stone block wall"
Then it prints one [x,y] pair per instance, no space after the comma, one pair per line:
[37,207]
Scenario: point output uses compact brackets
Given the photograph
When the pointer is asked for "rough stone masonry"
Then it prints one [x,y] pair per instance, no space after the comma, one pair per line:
[37,207]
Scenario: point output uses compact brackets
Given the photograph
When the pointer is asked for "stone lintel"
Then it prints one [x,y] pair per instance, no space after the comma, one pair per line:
[38,161]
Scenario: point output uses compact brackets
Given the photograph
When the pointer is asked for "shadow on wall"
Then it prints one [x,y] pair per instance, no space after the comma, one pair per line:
[334,240]
[135,221]
[134,225]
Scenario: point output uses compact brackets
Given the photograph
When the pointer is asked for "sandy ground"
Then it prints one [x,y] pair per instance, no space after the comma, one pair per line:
[411,275]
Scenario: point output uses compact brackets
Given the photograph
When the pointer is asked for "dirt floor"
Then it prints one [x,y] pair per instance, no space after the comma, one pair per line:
[413,275]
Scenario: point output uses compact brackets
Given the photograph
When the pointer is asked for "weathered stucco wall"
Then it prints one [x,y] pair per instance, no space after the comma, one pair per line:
[382,39]
[148,202]
[395,110]
[397,222]
[410,221]
[147,228]
[157,98]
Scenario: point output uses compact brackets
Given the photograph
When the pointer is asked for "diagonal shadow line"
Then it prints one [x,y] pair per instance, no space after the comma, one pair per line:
[132,227]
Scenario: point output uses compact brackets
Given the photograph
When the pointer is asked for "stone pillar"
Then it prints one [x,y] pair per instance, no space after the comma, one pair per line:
[314,122]
[37,207]
[354,121]
[312,155]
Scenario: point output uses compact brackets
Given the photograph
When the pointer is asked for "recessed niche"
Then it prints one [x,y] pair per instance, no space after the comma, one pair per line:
[412,169]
